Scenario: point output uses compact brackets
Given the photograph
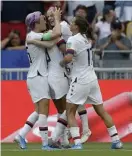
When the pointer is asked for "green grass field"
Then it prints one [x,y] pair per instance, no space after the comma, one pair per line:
[90,149]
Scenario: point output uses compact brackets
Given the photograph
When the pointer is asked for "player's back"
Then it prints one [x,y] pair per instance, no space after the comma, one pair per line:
[82,60]
[36,56]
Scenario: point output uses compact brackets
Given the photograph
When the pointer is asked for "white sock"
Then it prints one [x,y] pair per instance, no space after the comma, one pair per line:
[75,135]
[113,133]
[29,124]
[60,127]
[43,128]
[58,116]
[84,119]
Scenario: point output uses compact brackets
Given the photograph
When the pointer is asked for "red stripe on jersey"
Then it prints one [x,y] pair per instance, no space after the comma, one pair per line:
[62,41]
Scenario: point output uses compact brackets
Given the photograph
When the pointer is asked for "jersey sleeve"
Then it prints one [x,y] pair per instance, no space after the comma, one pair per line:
[36,36]
[60,42]
[71,46]
[65,30]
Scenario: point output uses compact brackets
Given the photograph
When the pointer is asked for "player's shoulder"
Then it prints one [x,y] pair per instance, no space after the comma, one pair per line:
[64,23]
[71,39]
[75,38]
[34,35]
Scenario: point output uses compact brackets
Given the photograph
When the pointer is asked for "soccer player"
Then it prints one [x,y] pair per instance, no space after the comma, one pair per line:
[84,87]
[37,78]
[57,79]
[66,33]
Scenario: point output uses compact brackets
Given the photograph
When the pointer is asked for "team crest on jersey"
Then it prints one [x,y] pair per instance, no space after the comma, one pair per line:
[69,45]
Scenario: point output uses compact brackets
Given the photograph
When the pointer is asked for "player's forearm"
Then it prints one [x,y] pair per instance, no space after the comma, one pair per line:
[67,59]
[4,42]
[62,48]
[57,29]
[45,44]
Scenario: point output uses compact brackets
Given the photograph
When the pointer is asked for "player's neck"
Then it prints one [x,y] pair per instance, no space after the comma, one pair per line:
[75,32]
[37,30]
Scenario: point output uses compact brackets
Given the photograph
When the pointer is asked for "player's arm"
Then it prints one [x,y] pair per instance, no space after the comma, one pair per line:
[56,30]
[61,44]
[43,44]
[67,59]
[70,51]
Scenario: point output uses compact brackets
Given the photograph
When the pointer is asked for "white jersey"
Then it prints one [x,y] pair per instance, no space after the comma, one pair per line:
[82,60]
[66,33]
[36,56]
[54,56]
[65,30]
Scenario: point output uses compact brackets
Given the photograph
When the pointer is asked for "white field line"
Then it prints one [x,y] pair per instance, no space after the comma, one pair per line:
[83,150]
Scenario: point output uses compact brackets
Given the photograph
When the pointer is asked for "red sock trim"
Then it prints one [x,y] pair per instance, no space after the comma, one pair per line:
[82,112]
[43,128]
[62,121]
[75,138]
[29,124]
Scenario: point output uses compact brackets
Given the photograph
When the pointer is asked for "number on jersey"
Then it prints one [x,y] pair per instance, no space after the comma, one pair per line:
[89,56]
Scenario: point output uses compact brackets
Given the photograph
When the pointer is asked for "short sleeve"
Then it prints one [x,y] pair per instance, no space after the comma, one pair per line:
[60,42]
[71,45]
[35,36]
[65,30]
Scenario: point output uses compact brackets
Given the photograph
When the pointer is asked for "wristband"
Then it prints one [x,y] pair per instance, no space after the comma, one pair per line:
[46,36]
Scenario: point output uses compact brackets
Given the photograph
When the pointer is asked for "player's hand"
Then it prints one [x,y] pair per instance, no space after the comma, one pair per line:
[57,14]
